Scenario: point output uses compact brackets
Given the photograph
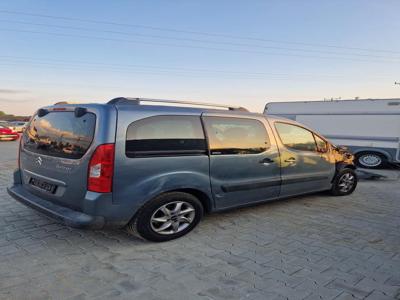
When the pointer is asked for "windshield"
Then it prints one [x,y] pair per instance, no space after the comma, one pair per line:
[60,134]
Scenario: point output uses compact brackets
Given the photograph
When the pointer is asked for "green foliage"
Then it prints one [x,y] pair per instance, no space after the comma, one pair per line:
[7,117]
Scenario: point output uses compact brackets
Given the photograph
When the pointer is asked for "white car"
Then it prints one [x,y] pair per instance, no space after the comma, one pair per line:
[17,126]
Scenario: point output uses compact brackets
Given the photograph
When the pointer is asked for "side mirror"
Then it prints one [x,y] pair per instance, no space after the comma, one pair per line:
[322,150]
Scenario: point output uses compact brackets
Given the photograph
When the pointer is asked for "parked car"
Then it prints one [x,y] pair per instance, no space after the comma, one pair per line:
[17,126]
[156,169]
[6,134]
[370,128]
[4,123]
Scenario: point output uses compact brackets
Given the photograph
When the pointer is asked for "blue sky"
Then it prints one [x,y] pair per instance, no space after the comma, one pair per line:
[238,52]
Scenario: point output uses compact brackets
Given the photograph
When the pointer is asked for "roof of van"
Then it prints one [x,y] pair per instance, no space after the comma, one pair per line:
[158,105]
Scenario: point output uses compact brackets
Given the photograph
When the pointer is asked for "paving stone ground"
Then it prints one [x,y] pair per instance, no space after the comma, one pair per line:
[310,247]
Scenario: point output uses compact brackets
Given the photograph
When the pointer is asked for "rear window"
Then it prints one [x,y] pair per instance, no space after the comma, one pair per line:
[60,134]
[166,136]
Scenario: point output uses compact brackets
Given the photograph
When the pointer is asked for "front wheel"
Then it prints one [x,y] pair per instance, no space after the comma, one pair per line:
[345,183]
[167,217]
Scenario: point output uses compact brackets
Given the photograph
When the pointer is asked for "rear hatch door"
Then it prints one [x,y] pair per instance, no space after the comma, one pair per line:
[55,153]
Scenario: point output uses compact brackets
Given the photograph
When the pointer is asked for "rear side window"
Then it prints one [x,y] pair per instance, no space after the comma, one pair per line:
[296,137]
[236,136]
[166,135]
[60,134]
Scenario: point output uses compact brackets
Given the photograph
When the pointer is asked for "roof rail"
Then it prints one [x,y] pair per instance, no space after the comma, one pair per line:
[137,101]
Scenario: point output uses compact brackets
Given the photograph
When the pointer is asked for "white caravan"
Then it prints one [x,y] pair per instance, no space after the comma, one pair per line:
[370,128]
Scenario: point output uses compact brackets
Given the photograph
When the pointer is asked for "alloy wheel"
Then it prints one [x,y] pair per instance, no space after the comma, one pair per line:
[346,182]
[172,217]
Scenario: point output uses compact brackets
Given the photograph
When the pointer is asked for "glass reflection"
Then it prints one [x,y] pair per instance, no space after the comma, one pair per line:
[60,134]
[236,136]
[295,137]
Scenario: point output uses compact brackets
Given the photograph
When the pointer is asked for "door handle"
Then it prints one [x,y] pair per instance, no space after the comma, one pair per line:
[266,161]
[290,160]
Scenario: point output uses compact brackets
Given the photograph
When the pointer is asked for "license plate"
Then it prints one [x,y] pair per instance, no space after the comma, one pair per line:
[48,187]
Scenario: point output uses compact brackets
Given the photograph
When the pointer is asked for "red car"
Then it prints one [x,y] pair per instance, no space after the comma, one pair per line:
[6,134]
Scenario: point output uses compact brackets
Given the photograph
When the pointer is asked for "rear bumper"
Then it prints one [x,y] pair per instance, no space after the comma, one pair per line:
[66,215]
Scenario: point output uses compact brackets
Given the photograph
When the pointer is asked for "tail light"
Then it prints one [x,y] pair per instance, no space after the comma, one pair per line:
[101,169]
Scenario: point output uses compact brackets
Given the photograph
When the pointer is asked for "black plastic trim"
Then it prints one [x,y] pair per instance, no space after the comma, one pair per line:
[163,153]
[303,179]
[250,186]
[264,184]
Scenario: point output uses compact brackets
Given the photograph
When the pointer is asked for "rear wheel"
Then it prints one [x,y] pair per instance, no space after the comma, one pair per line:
[345,183]
[370,160]
[167,217]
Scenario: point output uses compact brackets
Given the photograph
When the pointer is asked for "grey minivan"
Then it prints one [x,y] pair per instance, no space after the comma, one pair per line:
[156,169]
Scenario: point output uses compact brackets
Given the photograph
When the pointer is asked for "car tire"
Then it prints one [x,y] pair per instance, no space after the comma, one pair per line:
[167,217]
[345,183]
[371,160]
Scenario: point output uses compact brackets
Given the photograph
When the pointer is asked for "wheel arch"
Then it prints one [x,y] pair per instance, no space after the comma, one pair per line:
[202,196]
[344,165]
[205,200]
[341,166]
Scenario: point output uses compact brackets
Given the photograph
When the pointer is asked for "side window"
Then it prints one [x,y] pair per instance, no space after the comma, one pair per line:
[296,137]
[165,135]
[321,144]
[235,136]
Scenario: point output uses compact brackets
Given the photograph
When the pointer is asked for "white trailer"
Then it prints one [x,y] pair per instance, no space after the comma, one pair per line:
[370,128]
